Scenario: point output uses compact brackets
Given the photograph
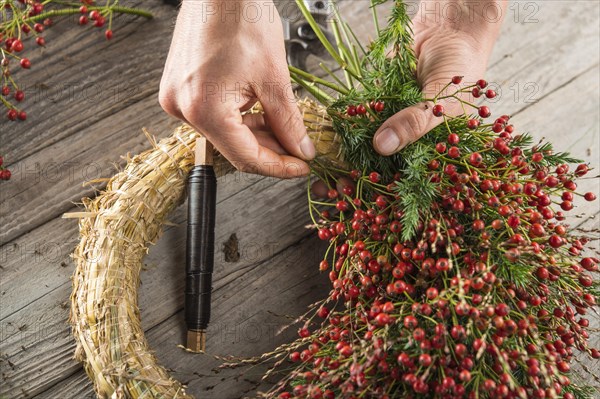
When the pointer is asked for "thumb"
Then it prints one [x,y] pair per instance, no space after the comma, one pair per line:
[285,120]
[411,123]
[403,128]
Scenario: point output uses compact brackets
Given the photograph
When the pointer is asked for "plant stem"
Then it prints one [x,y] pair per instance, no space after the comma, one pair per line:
[321,96]
[375,18]
[319,32]
[71,11]
[312,78]
[330,73]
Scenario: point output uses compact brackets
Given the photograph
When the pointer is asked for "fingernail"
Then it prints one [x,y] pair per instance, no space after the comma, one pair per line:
[387,142]
[307,147]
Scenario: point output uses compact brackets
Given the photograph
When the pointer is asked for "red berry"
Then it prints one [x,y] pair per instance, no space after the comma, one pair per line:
[586,280]
[12,114]
[361,109]
[94,15]
[304,332]
[346,351]
[442,265]
[555,241]
[19,95]
[482,84]
[537,230]
[323,312]
[40,41]
[484,111]
[582,170]
[475,159]
[374,177]
[324,234]
[490,93]
[83,9]
[537,157]
[379,106]
[410,322]
[478,225]
[432,293]
[453,139]
[22,115]
[454,152]
[17,46]
[425,360]
[25,28]
[39,28]
[566,205]
[590,196]
[476,92]
[108,34]
[440,147]
[438,110]
[83,20]
[99,23]
[5,90]
[37,8]
[542,273]
[473,124]
[457,80]
[342,206]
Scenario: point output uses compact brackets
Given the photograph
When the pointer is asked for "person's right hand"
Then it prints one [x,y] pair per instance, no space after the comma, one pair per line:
[222,62]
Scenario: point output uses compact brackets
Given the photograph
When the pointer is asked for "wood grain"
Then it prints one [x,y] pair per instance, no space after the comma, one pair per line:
[91,112]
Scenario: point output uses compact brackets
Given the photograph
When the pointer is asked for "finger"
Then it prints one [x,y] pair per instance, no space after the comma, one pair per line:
[263,133]
[410,124]
[267,140]
[255,121]
[238,144]
[319,189]
[284,118]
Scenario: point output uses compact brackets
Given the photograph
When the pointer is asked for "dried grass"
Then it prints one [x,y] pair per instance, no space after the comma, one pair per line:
[116,229]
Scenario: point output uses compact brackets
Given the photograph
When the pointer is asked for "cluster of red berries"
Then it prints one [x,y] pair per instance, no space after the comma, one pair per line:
[361,109]
[29,18]
[476,90]
[4,173]
[99,20]
[487,299]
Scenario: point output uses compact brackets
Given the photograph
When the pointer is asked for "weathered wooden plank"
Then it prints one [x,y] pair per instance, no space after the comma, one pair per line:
[50,181]
[242,328]
[48,248]
[160,292]
[542,46]
[165,331]
[80,79]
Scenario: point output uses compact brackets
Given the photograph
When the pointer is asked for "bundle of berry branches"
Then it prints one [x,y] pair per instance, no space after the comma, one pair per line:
[22,21]
[453,273]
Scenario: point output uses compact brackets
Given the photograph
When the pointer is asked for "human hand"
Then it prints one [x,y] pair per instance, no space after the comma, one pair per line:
[446,45]
[220,64]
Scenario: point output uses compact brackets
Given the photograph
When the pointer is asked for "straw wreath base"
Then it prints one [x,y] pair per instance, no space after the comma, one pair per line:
[116,229]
